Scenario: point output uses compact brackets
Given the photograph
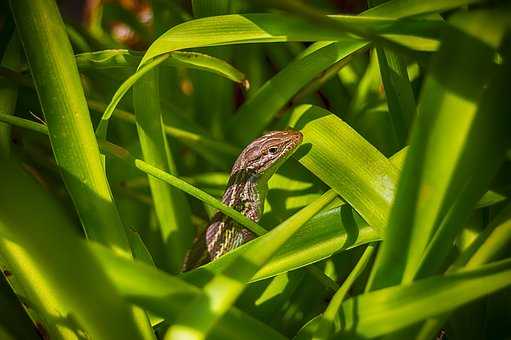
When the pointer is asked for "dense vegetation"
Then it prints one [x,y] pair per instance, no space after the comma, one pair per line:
[120,122]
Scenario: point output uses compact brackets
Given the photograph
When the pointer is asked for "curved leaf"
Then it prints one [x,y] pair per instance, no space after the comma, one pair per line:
[274,27]
[122,58]
[346,162]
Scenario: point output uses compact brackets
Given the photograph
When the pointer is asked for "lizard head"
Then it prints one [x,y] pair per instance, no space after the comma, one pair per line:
[265,154]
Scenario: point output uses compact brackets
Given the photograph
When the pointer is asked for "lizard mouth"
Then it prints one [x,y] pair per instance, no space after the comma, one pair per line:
[296,138]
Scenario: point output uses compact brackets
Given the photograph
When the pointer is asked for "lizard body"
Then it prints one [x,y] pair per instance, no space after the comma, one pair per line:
[245,192]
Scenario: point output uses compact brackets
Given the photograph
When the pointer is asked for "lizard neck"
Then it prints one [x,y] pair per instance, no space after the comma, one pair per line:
[246,192]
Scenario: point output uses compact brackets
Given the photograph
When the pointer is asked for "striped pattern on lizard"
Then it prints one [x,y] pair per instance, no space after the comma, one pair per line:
[246,191]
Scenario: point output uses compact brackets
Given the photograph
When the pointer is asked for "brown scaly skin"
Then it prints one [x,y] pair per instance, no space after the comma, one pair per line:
[245,192]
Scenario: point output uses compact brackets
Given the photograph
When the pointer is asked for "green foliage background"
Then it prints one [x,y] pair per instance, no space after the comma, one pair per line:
[391,221]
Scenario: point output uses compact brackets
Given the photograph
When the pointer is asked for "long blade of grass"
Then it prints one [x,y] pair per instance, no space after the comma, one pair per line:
[484,159]
[408,8]
[398,90]
[322,20]
[172,209]
[322,326]
[70,129]
[118,152]
[75,148]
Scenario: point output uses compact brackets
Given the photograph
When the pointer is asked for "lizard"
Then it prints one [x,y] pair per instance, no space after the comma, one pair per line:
[245,192]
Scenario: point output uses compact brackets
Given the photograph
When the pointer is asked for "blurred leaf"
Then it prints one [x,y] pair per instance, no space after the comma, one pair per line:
[138,247]
[34,233]
[166,295]
[8,92]
[14,321]
[76,152]
[408,8]
[439,185]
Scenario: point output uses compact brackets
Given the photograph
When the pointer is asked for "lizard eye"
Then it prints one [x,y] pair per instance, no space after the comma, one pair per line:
[273,150]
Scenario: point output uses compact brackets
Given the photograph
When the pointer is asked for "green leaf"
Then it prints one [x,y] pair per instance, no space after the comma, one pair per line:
[390,309]
[399,94]
[140,251]
[171,207]
[346,162]
[251,28]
